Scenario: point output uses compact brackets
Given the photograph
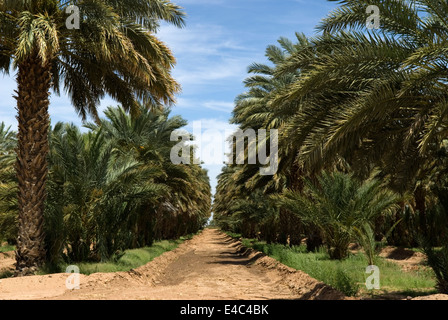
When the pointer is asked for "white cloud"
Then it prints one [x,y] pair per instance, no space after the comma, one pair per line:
[211,139]
[196,2]
[220,106]
[207,54]
[214,124]
[211,72]
[203,39]
[194,104]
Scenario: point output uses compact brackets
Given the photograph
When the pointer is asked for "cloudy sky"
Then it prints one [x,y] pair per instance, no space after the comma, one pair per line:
[213,51]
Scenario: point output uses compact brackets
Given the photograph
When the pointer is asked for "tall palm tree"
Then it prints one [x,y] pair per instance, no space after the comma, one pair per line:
[96,195]
[393,80]
[258,108]
[393,84]
[184,206]
[254,111]
[113,52]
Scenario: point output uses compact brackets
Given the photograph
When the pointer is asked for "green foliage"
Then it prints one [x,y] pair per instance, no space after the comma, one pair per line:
[349,275]
[344,283]
[8,186]
[356,100]
[438,260]
[341,207]
[6,248]
[129,259]
[99,194]
[114,51]
[111,188]
[114,187]
[436,234]
[366,238]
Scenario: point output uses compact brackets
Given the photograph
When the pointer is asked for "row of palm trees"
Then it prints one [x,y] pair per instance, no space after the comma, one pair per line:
[112,188]
[8,185]
[362,115]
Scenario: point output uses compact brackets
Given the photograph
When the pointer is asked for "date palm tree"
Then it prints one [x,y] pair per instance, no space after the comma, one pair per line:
[184,206]
[114,52]
[389,89]
[93,195]
[393,84]
[254,111]
[339,205]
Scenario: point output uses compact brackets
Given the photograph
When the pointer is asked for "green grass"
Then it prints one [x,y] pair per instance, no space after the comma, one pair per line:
[349,275]
[7,247]
[6,274]
[130,259]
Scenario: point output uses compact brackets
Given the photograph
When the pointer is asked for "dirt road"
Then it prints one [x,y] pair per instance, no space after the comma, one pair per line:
[209,266]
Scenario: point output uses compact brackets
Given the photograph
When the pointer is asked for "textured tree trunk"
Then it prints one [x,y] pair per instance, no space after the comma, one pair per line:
[296,227]
[283,227]
[313,240]
[33,81]
[338,253]
[420,206]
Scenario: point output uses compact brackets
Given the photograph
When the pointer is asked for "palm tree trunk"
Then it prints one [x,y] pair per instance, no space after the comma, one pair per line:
[420,206]
[314,239]
[295,223]
[283,227]
[34,82]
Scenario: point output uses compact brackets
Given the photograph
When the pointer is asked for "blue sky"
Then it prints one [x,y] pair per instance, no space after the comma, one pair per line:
[221,39]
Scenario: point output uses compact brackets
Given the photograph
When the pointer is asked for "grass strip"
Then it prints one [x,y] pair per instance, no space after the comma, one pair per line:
[349,275]
[130,259]
[7,248]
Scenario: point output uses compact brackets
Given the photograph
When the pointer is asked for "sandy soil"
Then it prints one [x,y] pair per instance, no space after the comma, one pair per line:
[209,266]
[438,296]
[408,260]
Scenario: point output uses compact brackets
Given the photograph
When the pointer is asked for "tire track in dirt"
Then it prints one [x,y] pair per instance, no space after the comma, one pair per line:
[211,266]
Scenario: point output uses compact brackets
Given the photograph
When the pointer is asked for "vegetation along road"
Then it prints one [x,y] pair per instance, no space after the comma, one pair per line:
[209,266]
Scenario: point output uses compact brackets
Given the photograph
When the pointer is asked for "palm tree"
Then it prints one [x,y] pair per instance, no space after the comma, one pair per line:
[184,206]
[114,52]
[94,197]
[254,110]
[384,104]
[340,206]
[7,140]
[388,86]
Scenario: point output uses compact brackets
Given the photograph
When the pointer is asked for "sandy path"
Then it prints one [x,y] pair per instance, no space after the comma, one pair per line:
[210,266]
